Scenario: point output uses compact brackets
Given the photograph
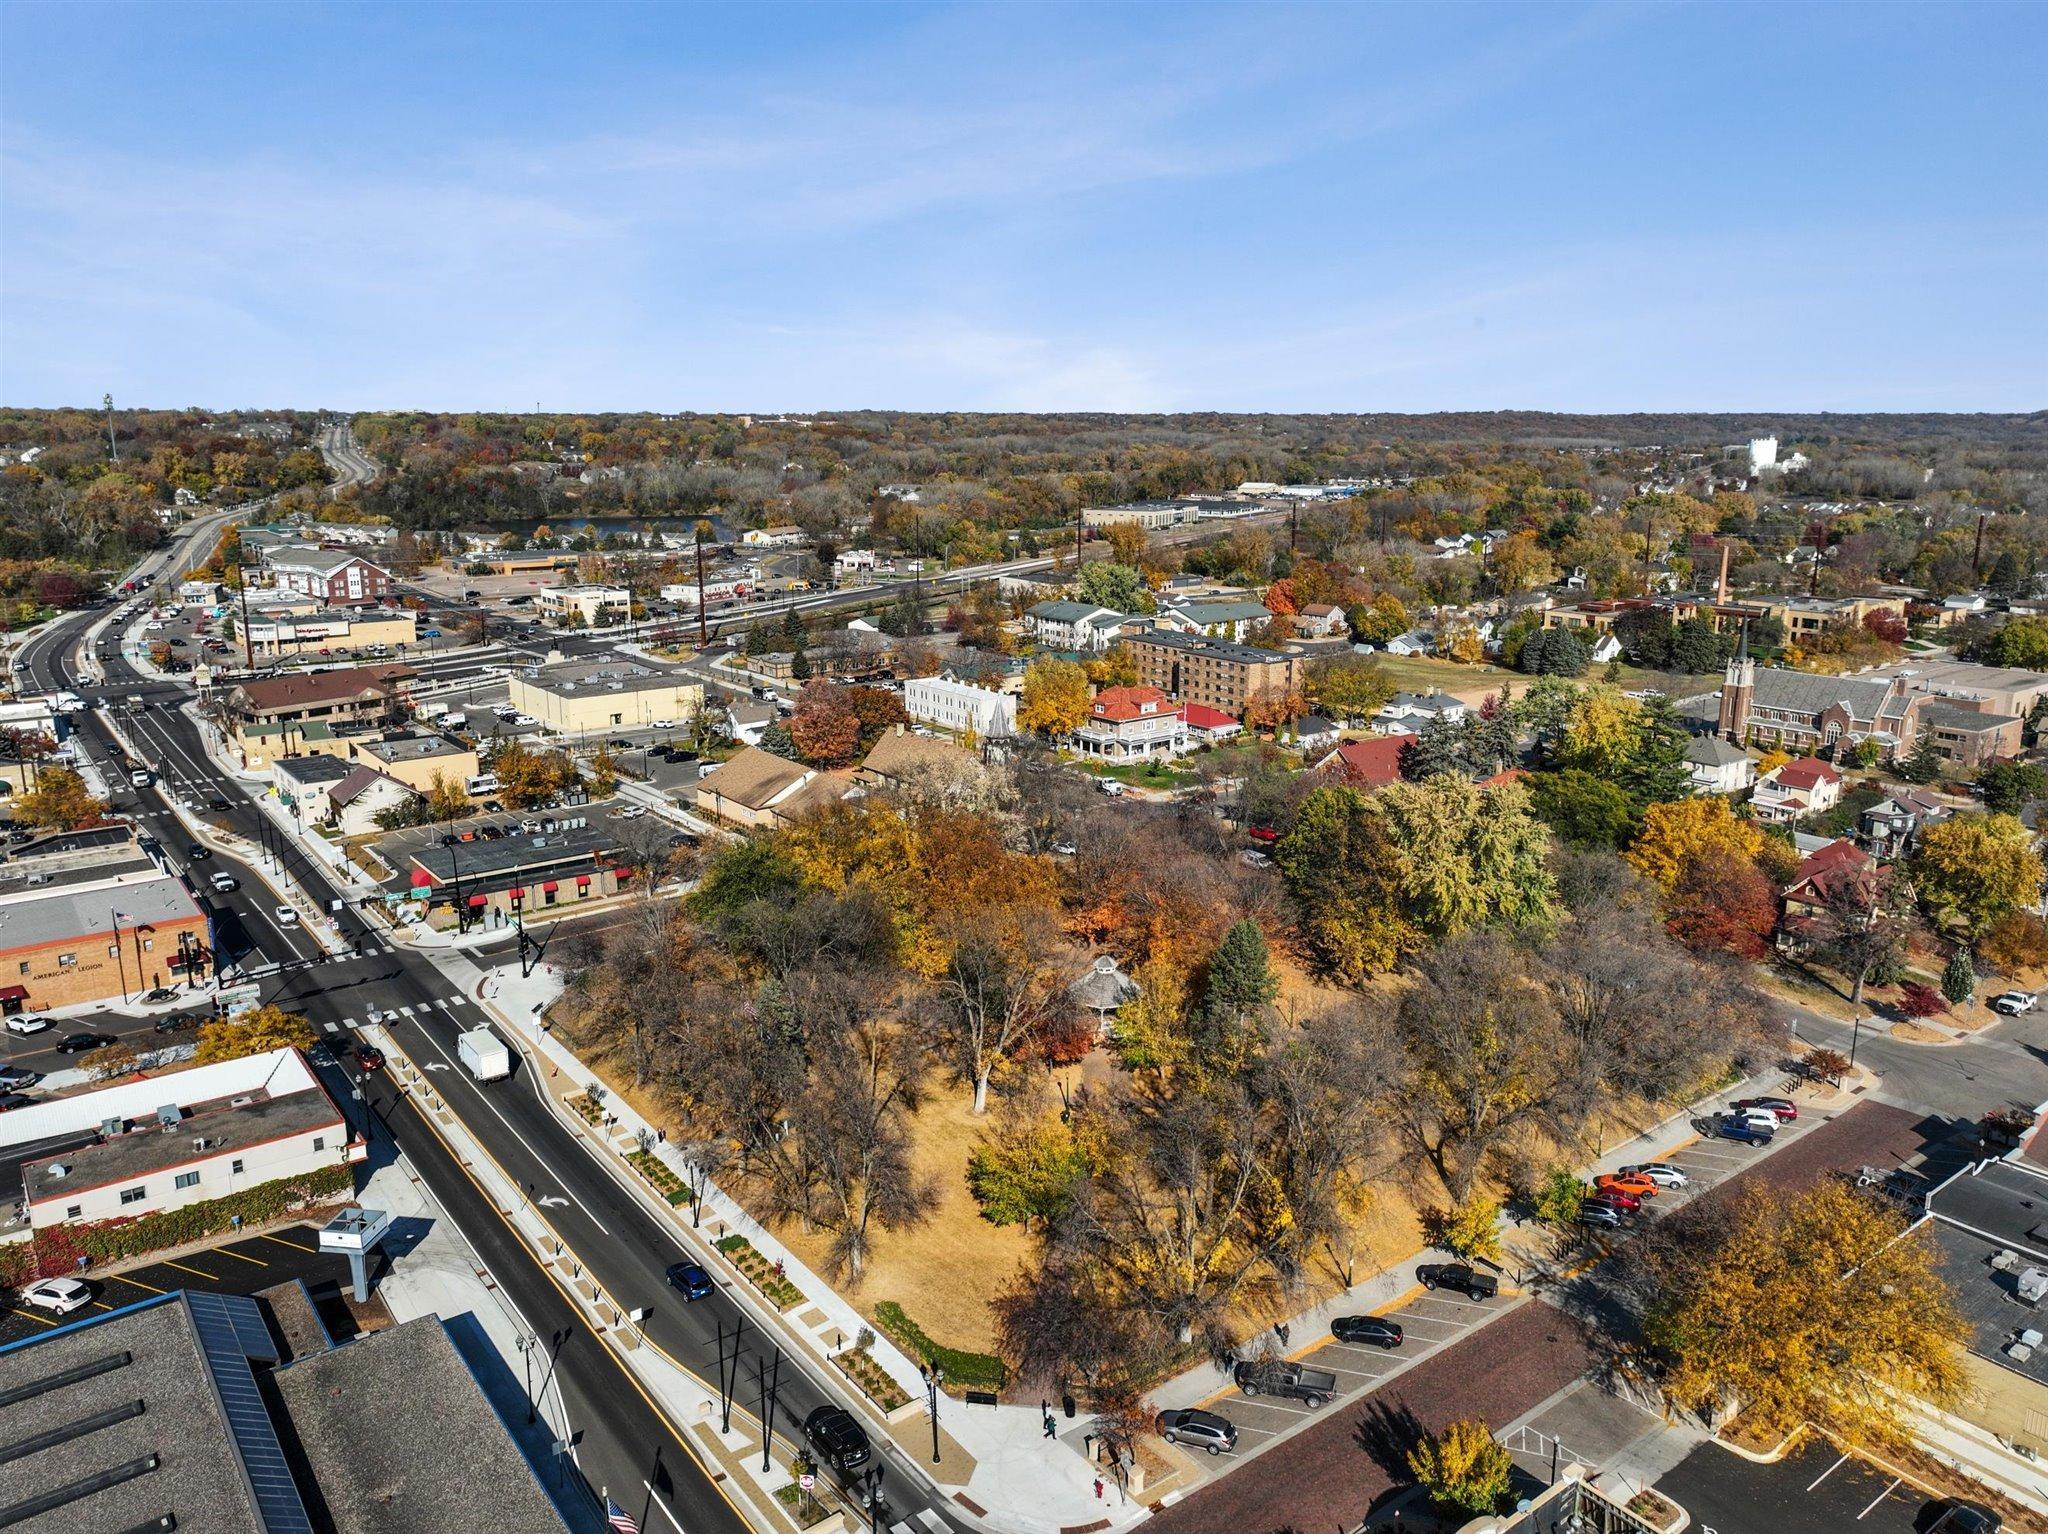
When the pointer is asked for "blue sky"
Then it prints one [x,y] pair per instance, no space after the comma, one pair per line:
[1162,206]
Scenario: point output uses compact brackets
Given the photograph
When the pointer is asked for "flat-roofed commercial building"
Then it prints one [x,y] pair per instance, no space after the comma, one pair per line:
[58,896]
[233,1414]
[589,605]
[281,633]
[1213,671]
[518,874]
[146,1146]
[416,759]
[586,697]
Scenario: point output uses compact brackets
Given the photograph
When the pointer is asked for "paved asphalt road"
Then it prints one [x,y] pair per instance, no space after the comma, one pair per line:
[2007,1063]
[625,1247]
[1816,1491]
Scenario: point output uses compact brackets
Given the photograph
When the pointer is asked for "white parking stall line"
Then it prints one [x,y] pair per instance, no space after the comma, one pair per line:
[1827,1472]
[1874,1501]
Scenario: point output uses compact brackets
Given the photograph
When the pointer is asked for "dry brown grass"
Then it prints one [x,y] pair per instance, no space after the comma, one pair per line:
[944,1271]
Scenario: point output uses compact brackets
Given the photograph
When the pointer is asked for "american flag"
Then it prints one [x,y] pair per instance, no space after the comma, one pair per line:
[618,1520]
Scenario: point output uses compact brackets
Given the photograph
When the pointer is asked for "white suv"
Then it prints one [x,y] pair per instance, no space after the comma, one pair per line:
[27,1022]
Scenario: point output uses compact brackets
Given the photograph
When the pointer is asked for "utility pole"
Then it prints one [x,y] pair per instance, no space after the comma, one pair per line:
[113,448]
[242,591]
[703,642]
[1977,553]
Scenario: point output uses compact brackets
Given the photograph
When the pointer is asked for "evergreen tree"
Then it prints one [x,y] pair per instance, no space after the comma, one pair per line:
[1923,762]
[1555,652]
[1440,748]
[775,740]
[1241,978]
[1656,772]
[800,663]
[1959,980]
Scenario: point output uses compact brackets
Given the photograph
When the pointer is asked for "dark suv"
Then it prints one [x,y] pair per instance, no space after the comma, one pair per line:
[839,1441]
[1469,1282]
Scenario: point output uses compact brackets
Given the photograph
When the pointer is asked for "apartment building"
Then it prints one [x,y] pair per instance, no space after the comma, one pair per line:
[1213,672]
[960,706]
[332,577]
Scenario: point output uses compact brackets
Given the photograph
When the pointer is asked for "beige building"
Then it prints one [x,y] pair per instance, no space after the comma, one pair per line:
[758,788]
[1213,672]
[331,632]
[588,605]
[1805,617]
[589,697]
[416,760]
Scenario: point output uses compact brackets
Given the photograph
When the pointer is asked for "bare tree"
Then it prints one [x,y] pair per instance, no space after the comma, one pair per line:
[1003,990]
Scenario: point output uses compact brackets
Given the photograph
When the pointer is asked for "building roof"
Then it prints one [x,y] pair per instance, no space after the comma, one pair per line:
[1071,612]
[319,561]
[1988,1298]
[1801,692]
[359,782]
[148,1148]
[1320,609]
[1999,1201]
[1807,773]
[1314,724]
[1206,613]
[1201,644]
[523,853]
[1426,702]
[384,1418]
[611,673]
[1945,716]
[1200,716]
[372,1428]
[1713,751]
[1371,763]
[76,913]
[1119,705]
[411,748]
[754,778]
[308,770]
[1104,987]
[306,688]
[901,751]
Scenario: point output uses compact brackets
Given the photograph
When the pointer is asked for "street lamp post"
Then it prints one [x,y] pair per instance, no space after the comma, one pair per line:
[932,1376]
[120,963]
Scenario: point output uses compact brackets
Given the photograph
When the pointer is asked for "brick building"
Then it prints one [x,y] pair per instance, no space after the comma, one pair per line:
[88,916]
[1213,672]
[331,577]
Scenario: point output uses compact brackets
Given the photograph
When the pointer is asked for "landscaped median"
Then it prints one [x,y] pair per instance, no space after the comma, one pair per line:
[757,1270]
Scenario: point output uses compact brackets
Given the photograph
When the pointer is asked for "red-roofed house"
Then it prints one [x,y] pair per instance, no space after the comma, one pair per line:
[1208,725]
[1840,865]
[1796,789]
[1132,724]
[1367,764]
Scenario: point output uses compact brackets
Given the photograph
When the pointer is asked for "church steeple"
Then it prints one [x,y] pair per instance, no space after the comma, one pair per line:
[1738,687]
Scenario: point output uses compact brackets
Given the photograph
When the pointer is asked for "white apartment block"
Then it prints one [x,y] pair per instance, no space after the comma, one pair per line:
[593,604]
[960,706]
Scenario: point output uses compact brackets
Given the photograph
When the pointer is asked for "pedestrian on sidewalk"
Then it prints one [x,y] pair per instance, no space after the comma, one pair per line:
[1051,1428]
[1098,1488]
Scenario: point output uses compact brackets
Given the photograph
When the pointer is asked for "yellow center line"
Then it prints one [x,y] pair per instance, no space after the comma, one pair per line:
[138,1283]
[228,1251]
[186,1267]
[295,1246]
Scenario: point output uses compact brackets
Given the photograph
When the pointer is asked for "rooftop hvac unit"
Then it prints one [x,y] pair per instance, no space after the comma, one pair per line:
[109,1128]
[2006,1261]
[58,1169]
[2033,1285]
[169,1115]
[240,1102]
[199,1142]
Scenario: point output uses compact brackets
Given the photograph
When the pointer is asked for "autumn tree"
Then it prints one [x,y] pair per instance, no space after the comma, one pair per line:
[1463,1467]
[1817,1306]
[1345,872]
[1003,989]
[1379,621]
[1025,1169]
[1483,1056]
[60,801]
[1970,870]
[1470,857]
[1721,901]
[1118,587]
[1859,925]
[1680,833]
[528,777]
[1347,686]
[1468,1229]
[109,1061]
[446,798]
[1054,701]
[824,728]
[254,1033]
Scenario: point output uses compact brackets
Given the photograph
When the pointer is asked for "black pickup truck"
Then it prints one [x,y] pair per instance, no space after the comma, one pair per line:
[1279,1377]
[1469,1282]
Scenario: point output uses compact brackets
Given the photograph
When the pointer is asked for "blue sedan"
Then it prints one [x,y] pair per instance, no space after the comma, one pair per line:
[691,1278]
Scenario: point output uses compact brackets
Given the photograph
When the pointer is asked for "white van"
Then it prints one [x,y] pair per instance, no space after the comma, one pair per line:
[481,784]
[453,721]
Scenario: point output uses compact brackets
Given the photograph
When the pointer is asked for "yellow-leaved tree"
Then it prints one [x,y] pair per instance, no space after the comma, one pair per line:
[1464,1467]
[1816,1306]
[253,1033]
[1676,835]
[1055,698]
[59,801]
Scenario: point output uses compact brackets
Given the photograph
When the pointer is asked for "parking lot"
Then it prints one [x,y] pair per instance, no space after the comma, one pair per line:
[1818,1490]
[235,1267]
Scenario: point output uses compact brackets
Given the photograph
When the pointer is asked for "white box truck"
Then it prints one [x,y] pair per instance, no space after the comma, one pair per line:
[483,1054]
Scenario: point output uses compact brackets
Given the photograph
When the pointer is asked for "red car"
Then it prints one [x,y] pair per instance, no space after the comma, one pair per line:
[369,1057]
[1264,834]
[1614,1198]
[1783,1108]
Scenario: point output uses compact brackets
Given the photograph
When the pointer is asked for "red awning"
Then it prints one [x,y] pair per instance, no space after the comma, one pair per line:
[517,894]
[583,878]
[550,887]
[14,993]
[477,899]
[421,878]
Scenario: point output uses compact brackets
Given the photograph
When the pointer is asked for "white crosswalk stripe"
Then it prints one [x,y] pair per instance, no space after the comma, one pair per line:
[931,1520]
[348,1022]
[333,1027]
[456,1001]
[405,1011]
